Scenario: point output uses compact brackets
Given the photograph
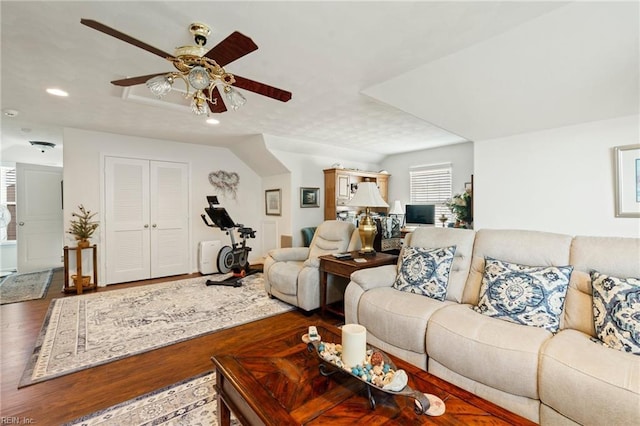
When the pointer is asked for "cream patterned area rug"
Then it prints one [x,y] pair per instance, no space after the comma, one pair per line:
[21,287]
[88,330]
[191,402]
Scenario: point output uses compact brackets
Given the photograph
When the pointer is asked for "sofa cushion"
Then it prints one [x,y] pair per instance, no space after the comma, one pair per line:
[496,353]
[615,256]
[516,246]
[425,271]
[397,317]
[283,276]
[331,236]
[527,295]
[616,311]
[589,383]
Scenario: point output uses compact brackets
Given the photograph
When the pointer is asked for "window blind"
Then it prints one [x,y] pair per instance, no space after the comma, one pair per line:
[431,185]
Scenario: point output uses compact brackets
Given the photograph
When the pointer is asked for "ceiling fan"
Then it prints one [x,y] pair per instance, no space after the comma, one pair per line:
[202,71]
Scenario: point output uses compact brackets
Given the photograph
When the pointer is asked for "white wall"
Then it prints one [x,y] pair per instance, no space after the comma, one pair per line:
[83,164]
[460,156]
[307,171]
[559,180]
[8,256]
[275,226]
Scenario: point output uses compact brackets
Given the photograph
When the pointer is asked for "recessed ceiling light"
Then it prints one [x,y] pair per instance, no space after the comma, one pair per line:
[212,121]
[57,92]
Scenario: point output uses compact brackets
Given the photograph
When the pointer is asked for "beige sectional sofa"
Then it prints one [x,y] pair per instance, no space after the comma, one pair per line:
[563,377]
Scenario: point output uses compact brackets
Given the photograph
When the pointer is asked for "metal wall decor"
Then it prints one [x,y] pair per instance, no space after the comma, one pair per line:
[226,182]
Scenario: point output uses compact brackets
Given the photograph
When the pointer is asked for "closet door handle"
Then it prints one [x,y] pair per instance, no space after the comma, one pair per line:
[146,226]
[21,224]
[154,225]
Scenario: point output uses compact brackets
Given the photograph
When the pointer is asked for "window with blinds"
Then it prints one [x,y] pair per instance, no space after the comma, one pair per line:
[8,202]
[431,185]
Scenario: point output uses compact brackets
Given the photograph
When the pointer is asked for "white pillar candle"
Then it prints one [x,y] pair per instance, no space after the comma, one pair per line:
[354,344]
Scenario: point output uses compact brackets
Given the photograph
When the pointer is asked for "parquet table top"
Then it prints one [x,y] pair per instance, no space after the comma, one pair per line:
[278,382]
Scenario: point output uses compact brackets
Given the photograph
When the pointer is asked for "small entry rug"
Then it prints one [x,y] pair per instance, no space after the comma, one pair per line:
[190,402]
[88,330]
[21,287]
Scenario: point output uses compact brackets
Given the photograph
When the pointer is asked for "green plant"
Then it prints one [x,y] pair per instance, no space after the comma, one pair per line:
[460,206]
[82,227]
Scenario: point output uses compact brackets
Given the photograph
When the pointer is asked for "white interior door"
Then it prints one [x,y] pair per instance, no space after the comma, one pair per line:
[127,232]
[39,217]
[169,218]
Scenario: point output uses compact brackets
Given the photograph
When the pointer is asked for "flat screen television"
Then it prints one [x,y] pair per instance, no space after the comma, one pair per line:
[420,214]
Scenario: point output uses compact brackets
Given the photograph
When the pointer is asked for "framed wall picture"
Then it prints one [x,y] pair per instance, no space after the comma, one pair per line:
[273,202]
[309,197]
[627,169]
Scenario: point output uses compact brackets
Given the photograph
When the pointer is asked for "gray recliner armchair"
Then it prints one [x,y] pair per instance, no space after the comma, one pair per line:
[292,274]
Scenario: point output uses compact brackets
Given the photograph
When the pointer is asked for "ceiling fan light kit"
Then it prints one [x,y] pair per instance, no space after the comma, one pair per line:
[202,71]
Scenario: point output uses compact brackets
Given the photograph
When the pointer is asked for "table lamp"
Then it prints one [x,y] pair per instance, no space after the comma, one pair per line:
[397,210]
[367,196]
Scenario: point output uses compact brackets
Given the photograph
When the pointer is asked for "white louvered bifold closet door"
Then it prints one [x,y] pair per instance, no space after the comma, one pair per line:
[127,229]
[146,223]
[169,219]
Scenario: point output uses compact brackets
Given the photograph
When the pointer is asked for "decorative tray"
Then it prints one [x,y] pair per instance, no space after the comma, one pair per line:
[379,373]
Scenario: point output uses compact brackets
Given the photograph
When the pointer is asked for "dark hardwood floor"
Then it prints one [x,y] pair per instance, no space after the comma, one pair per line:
[65,398]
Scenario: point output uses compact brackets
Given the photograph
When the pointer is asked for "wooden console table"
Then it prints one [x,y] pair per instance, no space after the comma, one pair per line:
[78,287]
[344,268]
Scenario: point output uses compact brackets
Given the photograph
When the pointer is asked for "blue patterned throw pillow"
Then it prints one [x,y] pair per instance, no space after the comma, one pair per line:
[425,271]
[528,295]
[616,311]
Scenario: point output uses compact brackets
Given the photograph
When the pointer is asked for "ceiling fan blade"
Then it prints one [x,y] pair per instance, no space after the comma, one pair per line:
[235,46]
[122,36]
[261,89]
[219,106]
[132,81]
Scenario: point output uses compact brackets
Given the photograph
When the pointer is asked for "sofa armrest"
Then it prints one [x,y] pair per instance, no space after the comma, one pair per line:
[289,254]
[312,262]
[370,278]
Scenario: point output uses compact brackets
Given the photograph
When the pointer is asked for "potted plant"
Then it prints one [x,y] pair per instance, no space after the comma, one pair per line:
[82,227]
[461,207]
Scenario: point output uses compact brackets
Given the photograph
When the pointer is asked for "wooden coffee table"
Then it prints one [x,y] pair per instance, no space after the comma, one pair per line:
[278,382]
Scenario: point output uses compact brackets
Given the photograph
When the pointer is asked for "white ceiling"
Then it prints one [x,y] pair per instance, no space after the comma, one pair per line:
[328,54]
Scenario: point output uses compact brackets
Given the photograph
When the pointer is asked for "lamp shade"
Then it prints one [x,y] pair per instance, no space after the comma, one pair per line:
[397,208]
[367,195]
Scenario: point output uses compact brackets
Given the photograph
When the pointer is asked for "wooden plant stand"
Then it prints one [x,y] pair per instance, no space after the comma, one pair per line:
[78,287]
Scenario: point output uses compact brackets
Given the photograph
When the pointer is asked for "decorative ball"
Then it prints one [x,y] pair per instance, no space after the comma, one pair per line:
[377,358]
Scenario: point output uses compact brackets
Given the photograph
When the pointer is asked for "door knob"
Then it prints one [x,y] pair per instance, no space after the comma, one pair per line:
[21,224]
[154,225]
[146,226]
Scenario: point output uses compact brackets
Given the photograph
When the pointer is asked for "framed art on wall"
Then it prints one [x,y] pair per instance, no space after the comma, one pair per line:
[272,202]
[627,169]
[309,197]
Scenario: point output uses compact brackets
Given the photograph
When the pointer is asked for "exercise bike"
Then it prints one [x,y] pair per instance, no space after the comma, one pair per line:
[230,258]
